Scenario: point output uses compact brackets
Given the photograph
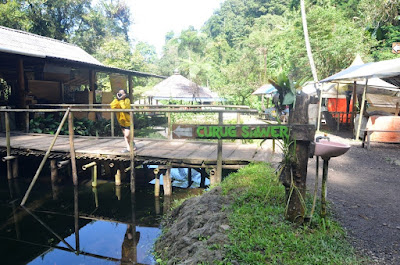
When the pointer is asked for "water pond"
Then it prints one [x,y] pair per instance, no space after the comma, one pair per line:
[62,224]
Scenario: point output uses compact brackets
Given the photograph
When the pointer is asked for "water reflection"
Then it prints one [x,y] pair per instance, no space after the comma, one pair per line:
[107,224]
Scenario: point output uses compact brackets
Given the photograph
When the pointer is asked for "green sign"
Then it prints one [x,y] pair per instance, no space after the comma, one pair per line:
[254,131]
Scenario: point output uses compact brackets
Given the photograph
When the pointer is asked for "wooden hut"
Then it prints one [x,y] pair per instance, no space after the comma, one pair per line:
[36,69]
[177,87]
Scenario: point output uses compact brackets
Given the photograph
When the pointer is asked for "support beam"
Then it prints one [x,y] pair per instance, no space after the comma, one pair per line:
[167,183]
[362,110]
[72,148]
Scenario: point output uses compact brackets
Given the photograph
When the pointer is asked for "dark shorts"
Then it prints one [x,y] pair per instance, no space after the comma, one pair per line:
[126,128]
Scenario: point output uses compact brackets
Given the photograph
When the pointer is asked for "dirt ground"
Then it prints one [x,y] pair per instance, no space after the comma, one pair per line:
[364,191]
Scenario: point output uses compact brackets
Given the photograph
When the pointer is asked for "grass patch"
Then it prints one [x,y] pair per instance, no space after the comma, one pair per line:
[260,235]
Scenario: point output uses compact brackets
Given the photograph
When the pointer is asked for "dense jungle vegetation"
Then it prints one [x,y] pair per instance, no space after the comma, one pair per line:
[241,46]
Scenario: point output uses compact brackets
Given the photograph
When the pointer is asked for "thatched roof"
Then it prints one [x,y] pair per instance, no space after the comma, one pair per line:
[180,88]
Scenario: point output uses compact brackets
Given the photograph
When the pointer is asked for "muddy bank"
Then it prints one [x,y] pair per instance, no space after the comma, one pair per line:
[195,232]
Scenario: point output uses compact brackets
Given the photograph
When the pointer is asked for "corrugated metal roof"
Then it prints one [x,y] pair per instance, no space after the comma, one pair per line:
[25,43]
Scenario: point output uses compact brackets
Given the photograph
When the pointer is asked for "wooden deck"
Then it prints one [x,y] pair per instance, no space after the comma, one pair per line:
[149,151]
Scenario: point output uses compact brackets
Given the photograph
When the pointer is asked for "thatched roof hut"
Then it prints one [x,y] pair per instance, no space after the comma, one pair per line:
[177,87]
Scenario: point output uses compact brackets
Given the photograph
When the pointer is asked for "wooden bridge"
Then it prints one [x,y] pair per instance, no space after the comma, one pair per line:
[179,153]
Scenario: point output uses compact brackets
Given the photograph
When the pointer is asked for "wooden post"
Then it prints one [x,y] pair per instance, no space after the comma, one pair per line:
[169,126]
[72,148]
[319,109]
[8,140]
[157,204]
[118,192]
[44,158]
[353,107]
[53,170]
[27,121]
[397,109]
[296,174]
[112,123]
[76,219]
[118,177]
[94,176]
[157,182]
[189,177]
[15,167]
[218,177]
[132,155]
[324,187]
[362,110]
[96,196]
[167,183]
[203,178]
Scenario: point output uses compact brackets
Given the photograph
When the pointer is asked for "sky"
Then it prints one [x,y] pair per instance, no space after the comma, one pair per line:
[152,19]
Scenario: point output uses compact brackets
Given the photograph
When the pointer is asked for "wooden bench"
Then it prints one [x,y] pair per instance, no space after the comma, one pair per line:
[367,136]
[385,129]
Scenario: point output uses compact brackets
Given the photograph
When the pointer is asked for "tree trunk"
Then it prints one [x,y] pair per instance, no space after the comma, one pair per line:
[307,40]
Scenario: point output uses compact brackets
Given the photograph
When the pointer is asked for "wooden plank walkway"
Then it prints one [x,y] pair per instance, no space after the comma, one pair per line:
[157,151]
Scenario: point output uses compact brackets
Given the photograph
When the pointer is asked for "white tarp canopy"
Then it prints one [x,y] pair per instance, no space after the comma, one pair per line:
[387,68]
[366,72]
[266,89]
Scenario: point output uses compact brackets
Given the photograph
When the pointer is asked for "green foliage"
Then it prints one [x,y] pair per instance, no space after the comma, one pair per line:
[260,235]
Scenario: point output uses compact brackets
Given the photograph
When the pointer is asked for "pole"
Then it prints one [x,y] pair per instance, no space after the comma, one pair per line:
[319,109]
[324,187]
[76,218]
[169,126]
[353,107]
[45,158]
[362,109]
[72,148]
[8,140]
[132,154]
[112,124]
[218,178]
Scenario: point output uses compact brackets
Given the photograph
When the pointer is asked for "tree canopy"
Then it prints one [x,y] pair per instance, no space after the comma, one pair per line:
[241,46]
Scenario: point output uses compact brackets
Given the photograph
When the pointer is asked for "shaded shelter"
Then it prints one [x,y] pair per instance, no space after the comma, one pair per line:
[267,91]
[37,69]
[178,87]
[366,72]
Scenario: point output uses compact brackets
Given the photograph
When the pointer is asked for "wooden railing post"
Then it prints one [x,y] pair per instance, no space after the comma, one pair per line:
[169,126]
[218,177]
[132,153]
[112,124]
[72,148]
[8,140]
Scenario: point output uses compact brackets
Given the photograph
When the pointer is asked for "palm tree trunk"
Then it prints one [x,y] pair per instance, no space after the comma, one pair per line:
[307,40]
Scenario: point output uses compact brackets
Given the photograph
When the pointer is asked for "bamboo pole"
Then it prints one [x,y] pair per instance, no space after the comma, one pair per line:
[48,228]
[157,182]
[362,109]
[72,148]
[44,158]
[8,140]
[132,154]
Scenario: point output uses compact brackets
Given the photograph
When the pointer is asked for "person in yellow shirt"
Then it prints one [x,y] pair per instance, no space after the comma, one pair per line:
[122,102]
